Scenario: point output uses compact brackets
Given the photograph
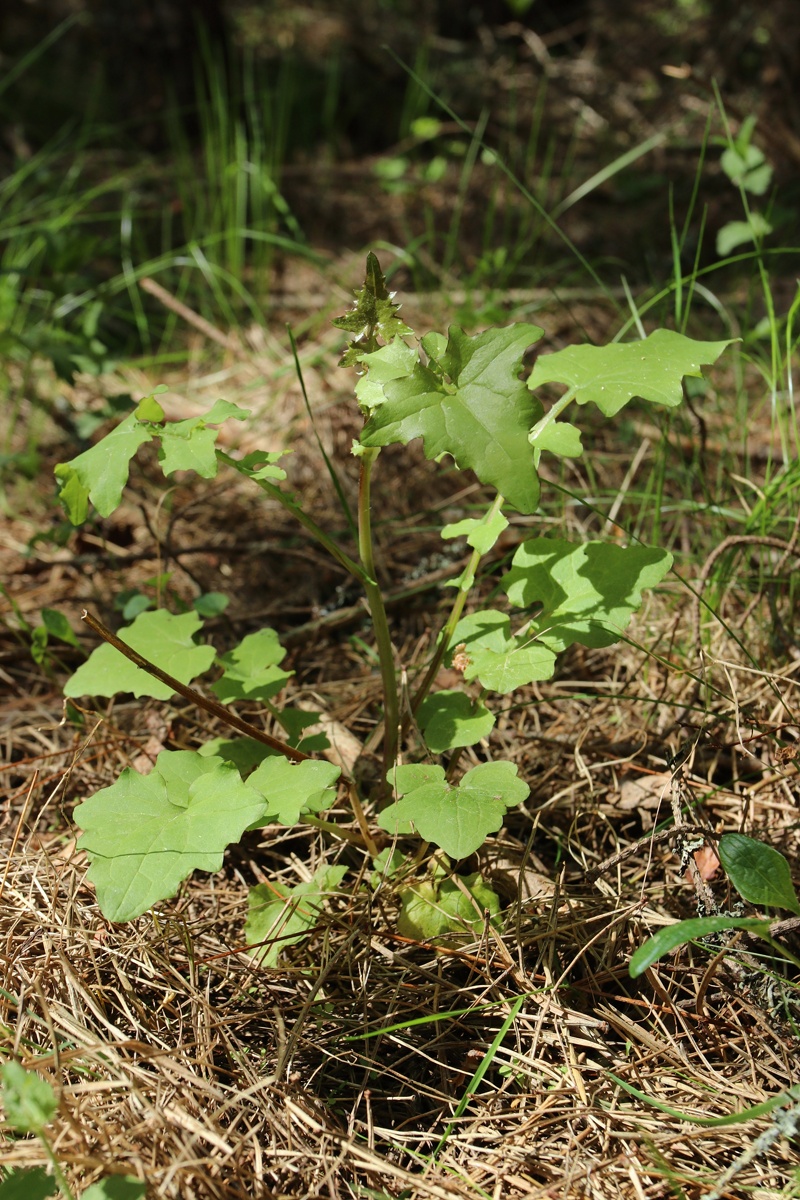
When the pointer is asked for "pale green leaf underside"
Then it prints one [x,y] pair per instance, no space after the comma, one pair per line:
[588,591]
[759,873]
[288,789]
[481,418]
[610,376]
[458,819]
[281,916]
[164,639]
[429,911]
[146,833]
[450,719]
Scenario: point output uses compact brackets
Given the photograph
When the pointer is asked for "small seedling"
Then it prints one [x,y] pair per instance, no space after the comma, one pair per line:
[464,396]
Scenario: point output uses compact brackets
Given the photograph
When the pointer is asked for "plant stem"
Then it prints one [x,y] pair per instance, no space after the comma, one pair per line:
[377,610]
[189,693]
[446,636]
[58,1174]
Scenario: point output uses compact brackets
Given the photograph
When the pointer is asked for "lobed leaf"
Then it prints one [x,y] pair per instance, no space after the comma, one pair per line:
[472,405]
[100,474]
[610,376]
[457,818]
[190,445]
[450,719]
[251,670]
[29,1101]
[291,788]
[430,910]
[481,532]
[498,659]
[146,833]
[588,591]
[164,638]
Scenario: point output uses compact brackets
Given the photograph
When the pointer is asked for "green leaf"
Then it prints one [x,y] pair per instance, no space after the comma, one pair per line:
[100,473]
[493,655]
[481,533]
[450,719]
[116,1187]
[610,376]
[742,233]
[688,931]
[395,361]
[747,167]
[260,464]
[146,833]
[58,626]
[163,638]
[588,591]
[283,916]
[294,722]
[190,445]
[481,416]
[386,865]
[456,818]
[251,669]
[210,604]
[428,911]
[32,1183]
[759,873]
[29,1100]
[747,1114]
[149,409]
[289,789]
[244,753]
[374,315]
[559,437]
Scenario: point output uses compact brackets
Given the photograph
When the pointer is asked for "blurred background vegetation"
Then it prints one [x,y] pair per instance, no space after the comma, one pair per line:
[489,146]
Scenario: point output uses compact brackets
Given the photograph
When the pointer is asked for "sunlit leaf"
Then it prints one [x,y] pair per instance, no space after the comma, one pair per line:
[676,935]
[759,873]
[164,638]
[472,405]
[588,591]
[457,818]
[146,833]
[251,669]
[291,788]
[450,719]
[610,376]
[29,1101]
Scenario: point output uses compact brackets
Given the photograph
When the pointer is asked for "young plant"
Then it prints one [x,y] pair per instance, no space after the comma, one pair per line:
[465,397]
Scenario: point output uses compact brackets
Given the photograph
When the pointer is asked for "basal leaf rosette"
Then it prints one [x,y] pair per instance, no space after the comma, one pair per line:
[456,817]
[469,403]
[279,916]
